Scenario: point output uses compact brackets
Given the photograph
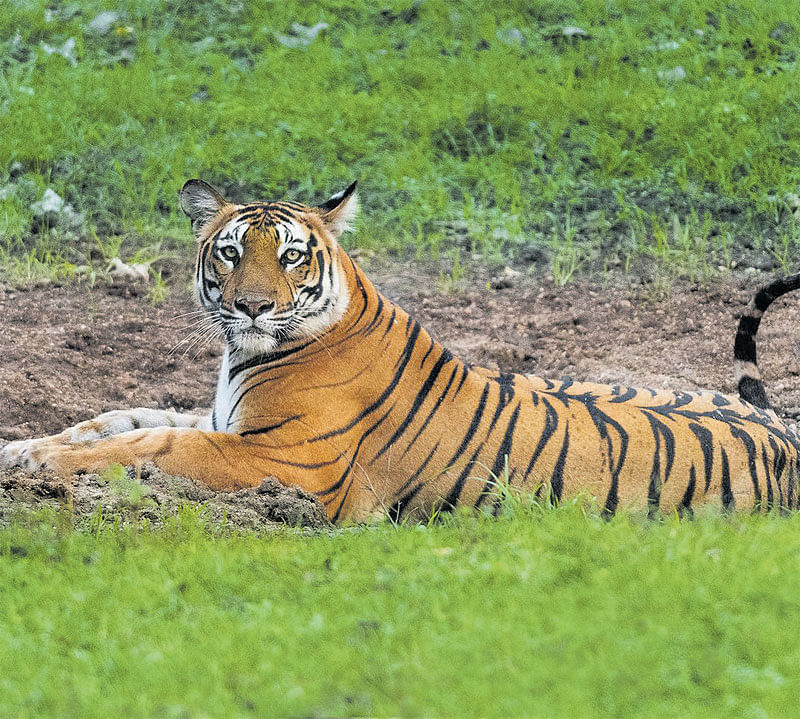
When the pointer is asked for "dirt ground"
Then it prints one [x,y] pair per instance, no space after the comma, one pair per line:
[71,352]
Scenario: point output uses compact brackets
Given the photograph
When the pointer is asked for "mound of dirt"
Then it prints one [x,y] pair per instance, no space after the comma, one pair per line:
[152,495]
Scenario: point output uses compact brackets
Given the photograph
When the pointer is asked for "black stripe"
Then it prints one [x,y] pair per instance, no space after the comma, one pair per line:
[351,462]
[706,439]
[244,393]
[451,500]
[395,512]
[422,395]
[659,430]
[427,354]
[455,492]
[506,384]
[550,425]
[725,485]
[654,490]
[629,394]
[750,448]
[400,365]
[419,469]
[390,323]
[685,507]
[768,476]
[557,480]
[261,360]
[376,318]
[502,456]
[473,426]
[612,499]
[270,427]
[464,374]
[433,410]
[778,464]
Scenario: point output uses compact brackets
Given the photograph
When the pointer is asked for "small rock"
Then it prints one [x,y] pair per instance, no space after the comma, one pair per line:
[783,31]
[501,282]
[51,210]
[66,50]
[16,169]
[664,46]
[511,36]
[500,234]
[792,199]
[123,57]
[202,45]
[573,31]
[673,75]
[567,34]
[534,253]
[102,23]
[119,271]
[302,36]
[50,202]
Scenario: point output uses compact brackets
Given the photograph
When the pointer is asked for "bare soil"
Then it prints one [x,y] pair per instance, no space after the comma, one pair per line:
[71,352]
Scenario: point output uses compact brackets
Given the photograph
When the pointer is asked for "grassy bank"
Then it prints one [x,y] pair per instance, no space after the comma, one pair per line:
[548,614]
[568,133]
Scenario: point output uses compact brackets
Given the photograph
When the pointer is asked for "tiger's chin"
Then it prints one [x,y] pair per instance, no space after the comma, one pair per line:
[252,342]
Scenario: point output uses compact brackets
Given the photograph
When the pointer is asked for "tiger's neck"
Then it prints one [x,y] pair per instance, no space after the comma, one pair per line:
[344,368]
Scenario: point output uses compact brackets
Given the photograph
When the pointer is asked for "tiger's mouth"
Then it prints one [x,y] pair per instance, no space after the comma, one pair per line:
[260,337]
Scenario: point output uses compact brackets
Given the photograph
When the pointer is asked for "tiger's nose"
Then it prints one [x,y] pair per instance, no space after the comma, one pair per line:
[253,306]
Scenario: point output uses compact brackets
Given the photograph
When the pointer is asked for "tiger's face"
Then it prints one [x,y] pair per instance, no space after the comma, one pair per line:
[268,273]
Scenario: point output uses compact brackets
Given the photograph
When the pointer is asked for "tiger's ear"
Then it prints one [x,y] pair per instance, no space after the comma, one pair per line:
[340,210]
[200,202]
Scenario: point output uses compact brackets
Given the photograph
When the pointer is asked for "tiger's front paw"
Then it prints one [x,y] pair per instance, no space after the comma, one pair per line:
[23,453]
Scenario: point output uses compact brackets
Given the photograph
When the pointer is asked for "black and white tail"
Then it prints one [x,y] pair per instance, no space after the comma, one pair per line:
[745,366]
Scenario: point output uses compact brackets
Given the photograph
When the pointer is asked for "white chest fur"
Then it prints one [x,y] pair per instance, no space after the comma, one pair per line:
[224,399]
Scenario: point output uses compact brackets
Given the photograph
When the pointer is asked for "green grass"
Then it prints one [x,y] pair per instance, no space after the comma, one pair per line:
[468,112]
[546,613]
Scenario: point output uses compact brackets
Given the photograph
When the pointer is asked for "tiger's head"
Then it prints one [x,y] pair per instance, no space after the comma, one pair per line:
[268,272]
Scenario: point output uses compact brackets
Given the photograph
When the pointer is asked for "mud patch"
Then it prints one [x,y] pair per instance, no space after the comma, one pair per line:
[151,495]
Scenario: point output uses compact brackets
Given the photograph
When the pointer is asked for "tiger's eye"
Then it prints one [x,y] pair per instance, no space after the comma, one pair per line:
[229,253]
[291,256]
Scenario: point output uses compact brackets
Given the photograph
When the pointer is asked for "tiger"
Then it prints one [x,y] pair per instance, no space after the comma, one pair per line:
[327,384]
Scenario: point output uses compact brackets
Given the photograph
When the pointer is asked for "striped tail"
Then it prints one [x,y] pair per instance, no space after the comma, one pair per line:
[745,366]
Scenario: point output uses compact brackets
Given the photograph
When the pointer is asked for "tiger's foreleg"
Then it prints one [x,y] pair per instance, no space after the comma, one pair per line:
[126,420]
[104,426]
[222,461]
